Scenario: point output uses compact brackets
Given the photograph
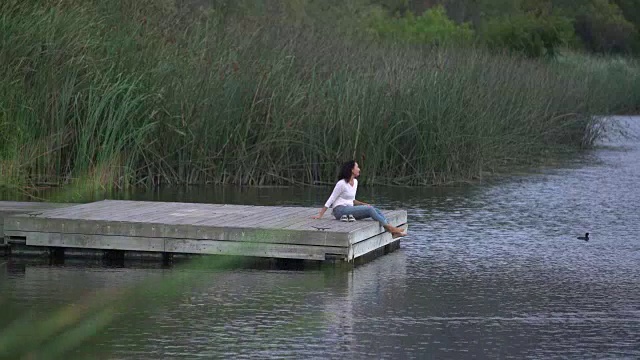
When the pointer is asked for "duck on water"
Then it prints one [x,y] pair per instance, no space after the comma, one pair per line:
[585,237]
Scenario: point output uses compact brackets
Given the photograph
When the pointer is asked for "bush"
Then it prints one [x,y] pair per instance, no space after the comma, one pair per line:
[528,34]
[433,27]
[630,10]
[603,28]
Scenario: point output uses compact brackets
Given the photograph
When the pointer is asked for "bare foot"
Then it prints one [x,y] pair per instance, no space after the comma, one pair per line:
[392,229]
[396,235]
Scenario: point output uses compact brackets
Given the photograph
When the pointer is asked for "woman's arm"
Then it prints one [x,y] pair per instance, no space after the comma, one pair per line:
[356,202]
[337,190]
[319,216]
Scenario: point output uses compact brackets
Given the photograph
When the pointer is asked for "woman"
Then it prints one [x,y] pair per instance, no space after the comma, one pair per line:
[347,208]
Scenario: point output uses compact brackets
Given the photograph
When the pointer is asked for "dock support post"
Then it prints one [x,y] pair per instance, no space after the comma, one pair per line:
[114,257]
[56,255]
[167,259]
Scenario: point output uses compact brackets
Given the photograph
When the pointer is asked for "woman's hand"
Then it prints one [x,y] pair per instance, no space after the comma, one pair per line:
[319,216]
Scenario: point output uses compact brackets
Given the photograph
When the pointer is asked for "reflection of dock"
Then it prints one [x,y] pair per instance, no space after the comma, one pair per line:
[332,304]
[365,295]
[167,228]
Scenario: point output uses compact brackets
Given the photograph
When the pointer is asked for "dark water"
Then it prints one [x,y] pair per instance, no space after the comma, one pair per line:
[489,271]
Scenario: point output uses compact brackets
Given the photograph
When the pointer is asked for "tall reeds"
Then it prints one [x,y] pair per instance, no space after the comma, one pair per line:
[148,92]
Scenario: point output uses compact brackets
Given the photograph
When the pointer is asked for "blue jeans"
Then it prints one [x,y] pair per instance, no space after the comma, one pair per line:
[360,212]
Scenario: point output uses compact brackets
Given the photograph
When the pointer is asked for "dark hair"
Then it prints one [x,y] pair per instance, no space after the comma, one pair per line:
[346,170]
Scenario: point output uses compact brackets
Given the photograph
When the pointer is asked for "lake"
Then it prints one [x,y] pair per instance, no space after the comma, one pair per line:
[493,270]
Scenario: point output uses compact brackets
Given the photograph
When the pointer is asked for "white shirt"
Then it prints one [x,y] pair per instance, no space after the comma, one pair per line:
[343,194]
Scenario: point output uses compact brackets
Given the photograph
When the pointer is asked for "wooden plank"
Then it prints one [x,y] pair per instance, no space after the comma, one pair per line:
[11,208]
[366,246]
[219,220]
[158,215]
[268,217]
[214,213]
[23,207]
[234,218]
[117,213]
[282,223]
[243,216]
[197,213]
[149,216]
[83,241]
[282,251]
[242,221]
[118,228]
[103,209]
[74,210]
[300,220]
[185,246]
[161,214]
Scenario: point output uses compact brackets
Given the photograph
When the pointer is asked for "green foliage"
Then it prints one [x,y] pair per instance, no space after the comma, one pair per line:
[528,34]
[601,25]
[62,96]
[630,11]
[611,74]
[393,6]
[432,27]
[603,28]
[497,8]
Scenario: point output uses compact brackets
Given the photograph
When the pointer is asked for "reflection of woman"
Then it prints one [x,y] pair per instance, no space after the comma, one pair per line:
[347,208]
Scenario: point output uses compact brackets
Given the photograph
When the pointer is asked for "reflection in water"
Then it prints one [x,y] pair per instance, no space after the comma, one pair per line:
[491,271]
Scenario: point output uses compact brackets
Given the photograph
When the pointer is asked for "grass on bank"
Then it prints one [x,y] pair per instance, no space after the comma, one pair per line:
[137,93]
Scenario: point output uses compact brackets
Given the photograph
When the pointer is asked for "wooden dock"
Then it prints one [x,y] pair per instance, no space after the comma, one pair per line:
[8,208]
[197,228]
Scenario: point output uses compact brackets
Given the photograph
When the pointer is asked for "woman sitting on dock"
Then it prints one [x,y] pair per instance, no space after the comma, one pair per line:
[347,208]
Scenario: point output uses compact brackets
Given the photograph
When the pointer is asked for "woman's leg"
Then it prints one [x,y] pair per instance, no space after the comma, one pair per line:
[338,211]
[363,211]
